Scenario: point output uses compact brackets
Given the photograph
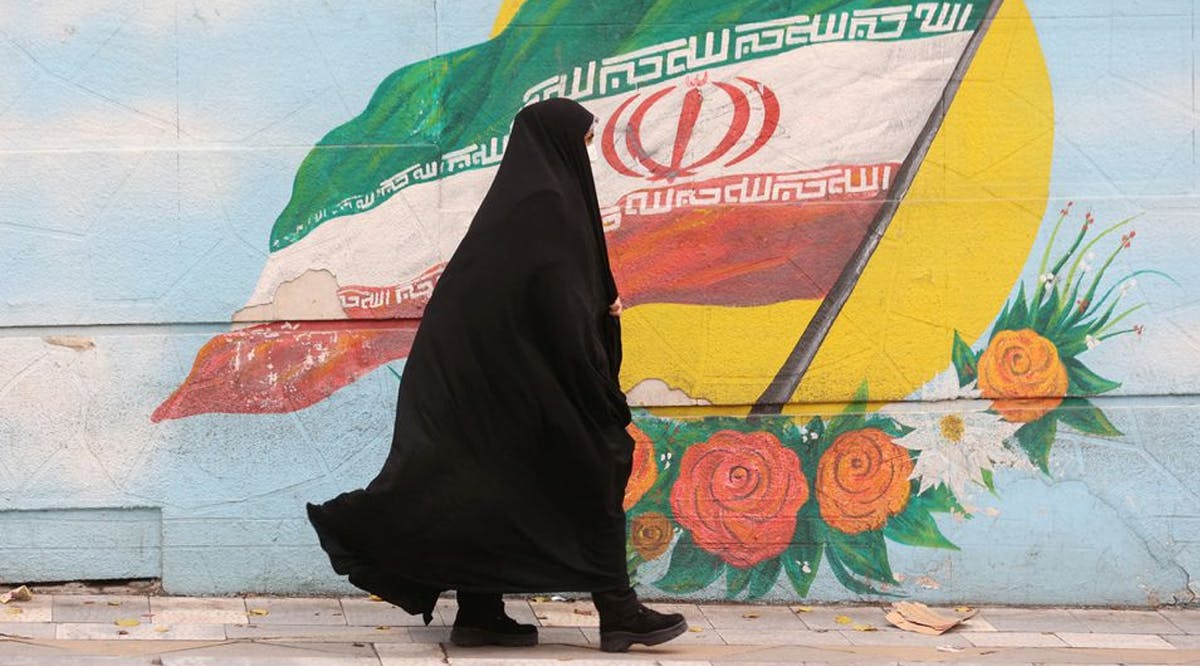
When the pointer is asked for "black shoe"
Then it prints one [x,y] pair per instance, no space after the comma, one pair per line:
[646,626]
[499,630]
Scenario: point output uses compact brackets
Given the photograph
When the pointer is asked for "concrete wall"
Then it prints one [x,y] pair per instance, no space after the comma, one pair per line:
[219,222]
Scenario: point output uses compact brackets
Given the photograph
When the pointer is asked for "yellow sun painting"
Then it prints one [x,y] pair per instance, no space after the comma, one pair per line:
[948,260]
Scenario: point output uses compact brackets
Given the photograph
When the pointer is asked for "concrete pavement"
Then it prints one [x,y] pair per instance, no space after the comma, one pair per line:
[142,629]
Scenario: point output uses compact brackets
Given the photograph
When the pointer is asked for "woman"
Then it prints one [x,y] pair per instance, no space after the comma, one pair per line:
[509,457]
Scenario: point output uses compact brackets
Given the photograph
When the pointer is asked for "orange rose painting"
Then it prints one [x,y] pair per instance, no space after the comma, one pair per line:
[1022,373]
[738,493]
[645,471]
[862,480]
[650,534]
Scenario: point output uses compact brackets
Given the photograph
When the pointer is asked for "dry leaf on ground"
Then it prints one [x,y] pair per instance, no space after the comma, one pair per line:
[127,622]
[258,612]
[843,619]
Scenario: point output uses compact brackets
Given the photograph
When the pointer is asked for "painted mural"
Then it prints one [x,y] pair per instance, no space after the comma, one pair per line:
[910,286]
[749,500]
[752,160]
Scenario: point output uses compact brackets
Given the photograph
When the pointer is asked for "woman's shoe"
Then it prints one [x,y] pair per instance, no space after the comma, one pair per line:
[645,626]
[499,630]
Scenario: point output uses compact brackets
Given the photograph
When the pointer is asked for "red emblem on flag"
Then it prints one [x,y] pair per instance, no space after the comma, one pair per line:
[731,107]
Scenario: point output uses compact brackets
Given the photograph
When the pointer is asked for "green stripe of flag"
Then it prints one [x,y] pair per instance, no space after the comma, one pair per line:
[425,110]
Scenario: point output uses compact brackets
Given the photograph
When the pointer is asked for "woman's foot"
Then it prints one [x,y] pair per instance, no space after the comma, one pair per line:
[645,626]
[481,620]
[501,630]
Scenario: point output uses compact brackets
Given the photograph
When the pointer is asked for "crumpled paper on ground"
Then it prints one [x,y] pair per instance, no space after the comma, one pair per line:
[20,594]
[919,618]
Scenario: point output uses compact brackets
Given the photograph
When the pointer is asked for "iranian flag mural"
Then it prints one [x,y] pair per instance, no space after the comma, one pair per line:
[749,153]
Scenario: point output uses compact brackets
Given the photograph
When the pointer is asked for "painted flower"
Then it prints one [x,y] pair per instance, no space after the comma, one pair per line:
[943,386]
[862,480]
[738,494]
[645,471]
[1022,374]
[957,447]
[650,534]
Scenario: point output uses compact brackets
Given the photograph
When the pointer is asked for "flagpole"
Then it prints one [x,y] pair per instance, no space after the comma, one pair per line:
[787,380]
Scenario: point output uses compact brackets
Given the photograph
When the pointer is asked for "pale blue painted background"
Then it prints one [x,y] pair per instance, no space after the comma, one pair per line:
[146,147]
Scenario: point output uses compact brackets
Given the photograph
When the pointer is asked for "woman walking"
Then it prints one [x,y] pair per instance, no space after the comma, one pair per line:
[509,456]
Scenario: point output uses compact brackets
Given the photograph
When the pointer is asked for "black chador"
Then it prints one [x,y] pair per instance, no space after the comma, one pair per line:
[509,457]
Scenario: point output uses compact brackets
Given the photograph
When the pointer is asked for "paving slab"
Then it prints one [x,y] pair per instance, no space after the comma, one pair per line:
[1037,620]
[90,631]
[1013,639]
[828,618]
[858,656]
[975,624]
[198,610]
[82,660]
[741,616]
[1187,620]
[1125,621]
[1115,641]
[27,629]
[897,637]
[251,653]
[563,636]
[565,613]
[280,610]
[958,662]
[15,648]
[444,612]
[401,654]
[765,663]
[532,661]
[79,630]
[741,636]
[429,634]
[93,608]
[1183,641]
[364,611]
[695,635]
[37,609]
[519,610]
[573,654]
[318,632]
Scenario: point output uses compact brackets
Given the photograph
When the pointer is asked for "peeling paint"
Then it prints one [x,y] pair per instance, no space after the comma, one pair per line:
[311,296]
[76,342]
[656,392]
